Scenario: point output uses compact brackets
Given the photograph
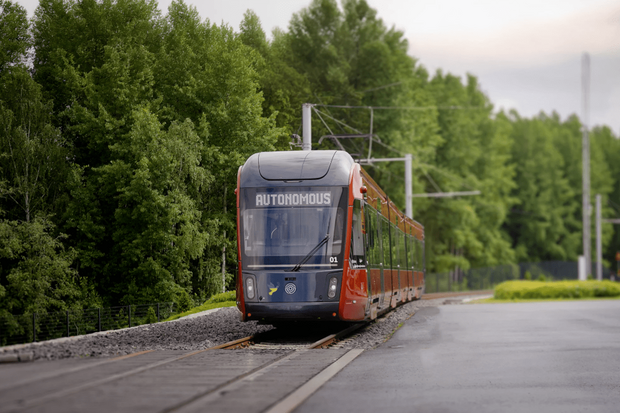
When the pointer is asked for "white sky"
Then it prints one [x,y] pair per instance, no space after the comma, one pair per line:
[525,53]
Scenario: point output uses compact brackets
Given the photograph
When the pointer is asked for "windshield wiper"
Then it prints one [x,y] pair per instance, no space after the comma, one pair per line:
[310,254]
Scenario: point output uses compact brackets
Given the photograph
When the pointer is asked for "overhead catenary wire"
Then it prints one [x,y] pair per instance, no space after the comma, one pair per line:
[378,141]
[342,124]
[448,174]
[454,107]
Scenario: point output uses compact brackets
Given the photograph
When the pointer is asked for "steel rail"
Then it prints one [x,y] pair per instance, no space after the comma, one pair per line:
[327,341]
[240,343]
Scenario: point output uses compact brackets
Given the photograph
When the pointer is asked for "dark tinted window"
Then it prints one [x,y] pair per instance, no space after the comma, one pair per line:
[385,242]
[357,243]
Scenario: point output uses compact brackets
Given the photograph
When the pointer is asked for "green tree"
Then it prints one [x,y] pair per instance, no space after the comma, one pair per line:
[14,37]
[33,160]
[606,149]
[540,225]
[155,179]
[473,154]
[36,274]
[284,88]
[157,110]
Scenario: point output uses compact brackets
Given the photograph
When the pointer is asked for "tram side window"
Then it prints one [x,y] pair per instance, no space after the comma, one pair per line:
[357,244]
[372,236]
[394,245]
[385,242]
[419,255]
[423,260]
[410,251]
[402,254]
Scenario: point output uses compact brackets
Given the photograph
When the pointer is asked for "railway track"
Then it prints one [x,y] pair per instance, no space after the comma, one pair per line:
[285,340]
[223,373]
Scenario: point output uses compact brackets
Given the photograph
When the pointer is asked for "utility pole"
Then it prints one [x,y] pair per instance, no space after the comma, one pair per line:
[306,115]
[408,186]
[599,242]
[224,250]
[585,154]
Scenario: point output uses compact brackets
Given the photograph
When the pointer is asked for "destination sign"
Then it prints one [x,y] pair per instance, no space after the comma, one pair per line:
[294,199]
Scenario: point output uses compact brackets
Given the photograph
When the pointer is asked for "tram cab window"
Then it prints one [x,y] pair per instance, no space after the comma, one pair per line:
[357,243]
[281,226]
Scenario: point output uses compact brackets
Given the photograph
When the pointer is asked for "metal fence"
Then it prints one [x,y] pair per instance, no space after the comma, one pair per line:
[469,280]
[26,328]
[488,278]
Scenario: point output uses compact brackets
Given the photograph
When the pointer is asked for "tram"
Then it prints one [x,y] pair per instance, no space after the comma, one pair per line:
[318,239]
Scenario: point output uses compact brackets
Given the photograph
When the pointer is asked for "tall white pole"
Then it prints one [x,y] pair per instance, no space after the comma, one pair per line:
[306,113]
[224,251]
[599,242]
[408,186]
[585,153]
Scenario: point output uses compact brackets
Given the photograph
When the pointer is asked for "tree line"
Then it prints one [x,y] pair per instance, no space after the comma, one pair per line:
[122,129]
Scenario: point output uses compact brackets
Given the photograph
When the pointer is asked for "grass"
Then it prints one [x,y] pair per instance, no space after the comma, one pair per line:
[227,299]
[534,300]
[512,291]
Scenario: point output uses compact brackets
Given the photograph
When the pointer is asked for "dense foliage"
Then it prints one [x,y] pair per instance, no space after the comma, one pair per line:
[122,129]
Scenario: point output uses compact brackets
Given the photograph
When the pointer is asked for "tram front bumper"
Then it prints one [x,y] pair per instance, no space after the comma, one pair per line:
[292,311]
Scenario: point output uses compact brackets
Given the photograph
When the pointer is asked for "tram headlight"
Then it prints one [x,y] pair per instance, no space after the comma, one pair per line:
[249,287]
[333,284]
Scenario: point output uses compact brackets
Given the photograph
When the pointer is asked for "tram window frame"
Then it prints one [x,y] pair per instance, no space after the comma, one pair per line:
[385,246]
[357,251]
[410,252]
[374,252]
[394,246]
[419,255]
[402,250]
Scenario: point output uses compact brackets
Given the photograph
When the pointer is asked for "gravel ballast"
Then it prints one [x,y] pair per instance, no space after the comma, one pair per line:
[194,333]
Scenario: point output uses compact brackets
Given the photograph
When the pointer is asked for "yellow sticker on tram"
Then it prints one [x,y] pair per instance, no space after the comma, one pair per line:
[272,290]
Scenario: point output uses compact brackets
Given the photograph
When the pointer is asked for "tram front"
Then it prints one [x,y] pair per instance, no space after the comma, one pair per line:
[292,217]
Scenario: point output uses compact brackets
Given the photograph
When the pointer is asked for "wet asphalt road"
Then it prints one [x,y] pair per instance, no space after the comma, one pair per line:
[526,357]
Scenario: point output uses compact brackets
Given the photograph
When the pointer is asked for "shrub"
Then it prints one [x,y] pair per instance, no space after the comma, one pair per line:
[527,275]
[560,289]
[151,316]
[542,278]
[184,301]
[222,297]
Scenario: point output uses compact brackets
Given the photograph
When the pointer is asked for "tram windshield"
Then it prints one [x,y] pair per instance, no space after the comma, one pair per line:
[292,228]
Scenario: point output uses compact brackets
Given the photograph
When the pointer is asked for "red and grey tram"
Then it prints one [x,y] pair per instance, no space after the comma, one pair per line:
[319,240]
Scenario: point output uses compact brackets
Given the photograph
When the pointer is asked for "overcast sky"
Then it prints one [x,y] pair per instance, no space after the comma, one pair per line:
[525,53]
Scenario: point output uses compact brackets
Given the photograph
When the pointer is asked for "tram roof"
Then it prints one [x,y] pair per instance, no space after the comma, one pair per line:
[323,168]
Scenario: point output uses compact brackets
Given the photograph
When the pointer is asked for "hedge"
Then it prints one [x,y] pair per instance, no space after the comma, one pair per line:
[557,289]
